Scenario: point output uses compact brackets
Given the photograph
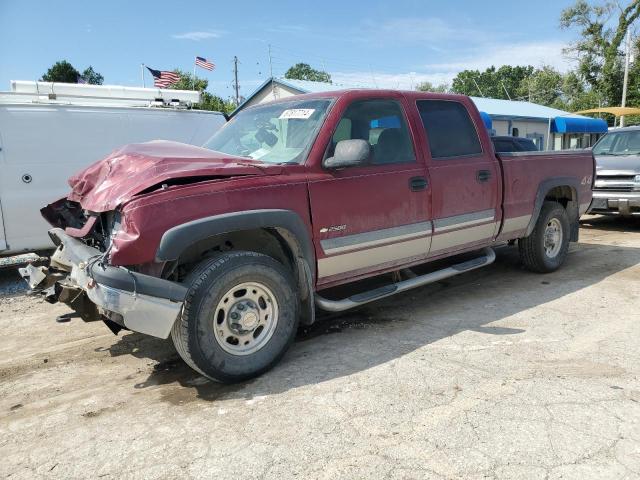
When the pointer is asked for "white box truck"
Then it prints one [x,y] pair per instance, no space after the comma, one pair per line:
[50,131]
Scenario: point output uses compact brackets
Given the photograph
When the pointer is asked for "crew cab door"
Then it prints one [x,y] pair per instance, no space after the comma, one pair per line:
[371,217]
[465,176]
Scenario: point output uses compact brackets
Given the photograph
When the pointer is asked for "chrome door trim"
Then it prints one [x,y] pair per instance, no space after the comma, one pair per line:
[373,238]
[464,220]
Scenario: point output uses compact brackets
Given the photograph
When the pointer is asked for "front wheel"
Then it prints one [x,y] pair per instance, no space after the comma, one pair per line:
[240,316]
[546,248]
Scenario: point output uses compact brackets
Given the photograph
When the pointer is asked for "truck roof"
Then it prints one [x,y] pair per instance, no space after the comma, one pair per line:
[367,93]
[624,129]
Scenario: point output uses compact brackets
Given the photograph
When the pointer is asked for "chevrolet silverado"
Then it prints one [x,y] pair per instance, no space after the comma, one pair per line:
[230,247]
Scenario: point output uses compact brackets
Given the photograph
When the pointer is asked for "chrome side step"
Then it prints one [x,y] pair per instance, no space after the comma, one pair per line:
[359,299]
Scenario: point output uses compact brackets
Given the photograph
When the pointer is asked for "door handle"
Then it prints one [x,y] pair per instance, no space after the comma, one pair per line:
[418,183]
[483,175]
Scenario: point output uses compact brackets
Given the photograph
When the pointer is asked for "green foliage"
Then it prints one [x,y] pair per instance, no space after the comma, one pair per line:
[61,71]
[598,50]
[543,86]
[492,82]
[303,71]
[209,101]
[430,87]
[91,76]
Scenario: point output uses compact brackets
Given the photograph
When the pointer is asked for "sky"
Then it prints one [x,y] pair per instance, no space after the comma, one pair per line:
[392,44]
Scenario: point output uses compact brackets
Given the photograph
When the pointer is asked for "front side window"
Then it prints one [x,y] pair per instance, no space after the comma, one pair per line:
[619,143]
[449,128]
[382,124]
[275,133]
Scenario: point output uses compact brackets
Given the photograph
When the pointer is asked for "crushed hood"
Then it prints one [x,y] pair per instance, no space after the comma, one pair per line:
[136,168]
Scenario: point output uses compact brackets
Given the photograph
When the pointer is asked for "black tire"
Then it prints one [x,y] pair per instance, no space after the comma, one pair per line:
[533,254]
[193,333]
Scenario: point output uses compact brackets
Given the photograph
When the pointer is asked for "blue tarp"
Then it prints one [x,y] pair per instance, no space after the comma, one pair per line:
[487,120]
[578,125]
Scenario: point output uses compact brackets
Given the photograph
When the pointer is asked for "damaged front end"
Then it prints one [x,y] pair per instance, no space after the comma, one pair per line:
[79,276]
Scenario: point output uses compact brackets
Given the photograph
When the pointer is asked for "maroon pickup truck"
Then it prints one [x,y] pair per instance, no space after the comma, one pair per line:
[229,247]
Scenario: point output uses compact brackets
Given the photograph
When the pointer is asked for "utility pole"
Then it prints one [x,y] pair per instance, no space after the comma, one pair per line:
[626,74]
[273,86]
[236,87]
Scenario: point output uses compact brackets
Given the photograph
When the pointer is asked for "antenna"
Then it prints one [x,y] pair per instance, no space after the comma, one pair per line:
[478,87]
[505,91]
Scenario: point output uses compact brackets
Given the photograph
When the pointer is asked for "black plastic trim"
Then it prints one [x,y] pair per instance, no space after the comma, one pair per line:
[544,188]
[177,239]
[116,277]
[129,281]
[371,294]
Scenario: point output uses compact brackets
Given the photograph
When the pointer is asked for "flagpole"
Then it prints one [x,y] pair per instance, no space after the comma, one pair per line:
[194,73]
[142,72]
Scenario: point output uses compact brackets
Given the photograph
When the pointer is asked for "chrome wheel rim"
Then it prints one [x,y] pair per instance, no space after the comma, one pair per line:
[553,238]
[245,318]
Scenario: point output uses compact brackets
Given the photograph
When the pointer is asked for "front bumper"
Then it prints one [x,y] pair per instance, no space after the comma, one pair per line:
[133,300]
[615,203]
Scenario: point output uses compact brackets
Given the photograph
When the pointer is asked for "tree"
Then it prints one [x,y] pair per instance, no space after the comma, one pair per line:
[303,71]
[598,50]
[91,76]
[64,72]
[493,83]
[61,71]
[208,101]
[543,86]
[427,86]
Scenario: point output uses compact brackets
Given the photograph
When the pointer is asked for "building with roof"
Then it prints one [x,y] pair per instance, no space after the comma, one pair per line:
[549,128]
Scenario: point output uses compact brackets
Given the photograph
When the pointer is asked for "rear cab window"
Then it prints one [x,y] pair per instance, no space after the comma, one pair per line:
[450,131]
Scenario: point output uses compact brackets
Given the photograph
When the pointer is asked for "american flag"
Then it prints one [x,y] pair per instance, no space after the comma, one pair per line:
[204,63]
[163,78]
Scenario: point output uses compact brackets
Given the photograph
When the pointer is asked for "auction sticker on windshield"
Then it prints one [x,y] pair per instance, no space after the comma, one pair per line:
[297,113]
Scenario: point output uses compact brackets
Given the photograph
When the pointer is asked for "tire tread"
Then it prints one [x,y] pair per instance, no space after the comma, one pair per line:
[196,278]
[529,247]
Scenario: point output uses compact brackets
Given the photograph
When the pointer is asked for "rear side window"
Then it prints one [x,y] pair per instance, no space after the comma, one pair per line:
[449,128]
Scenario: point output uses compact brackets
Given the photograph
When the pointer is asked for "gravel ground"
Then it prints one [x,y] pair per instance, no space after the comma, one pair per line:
[11,283]
[497,373]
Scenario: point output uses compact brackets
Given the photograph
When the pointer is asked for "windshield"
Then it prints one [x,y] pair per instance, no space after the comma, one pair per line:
[276,133]
[619,143]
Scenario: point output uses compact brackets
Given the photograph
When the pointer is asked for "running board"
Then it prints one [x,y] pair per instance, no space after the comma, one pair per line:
[359,299]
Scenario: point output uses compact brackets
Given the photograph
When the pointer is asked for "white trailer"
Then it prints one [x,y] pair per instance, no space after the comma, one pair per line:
[48,132]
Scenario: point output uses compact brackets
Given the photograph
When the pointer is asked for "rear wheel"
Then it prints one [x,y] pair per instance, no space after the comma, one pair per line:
[546,248]
[239,318]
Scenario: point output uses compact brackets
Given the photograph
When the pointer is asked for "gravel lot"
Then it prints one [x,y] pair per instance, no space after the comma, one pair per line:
[498,373]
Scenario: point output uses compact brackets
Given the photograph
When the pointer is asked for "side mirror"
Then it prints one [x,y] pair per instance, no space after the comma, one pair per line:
[349,153]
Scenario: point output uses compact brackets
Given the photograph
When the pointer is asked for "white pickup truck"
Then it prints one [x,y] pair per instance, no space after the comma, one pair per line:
[49,132]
